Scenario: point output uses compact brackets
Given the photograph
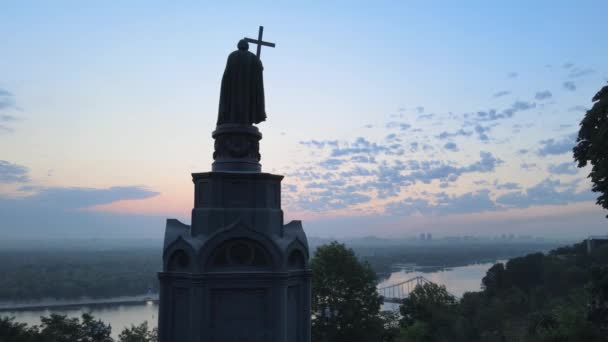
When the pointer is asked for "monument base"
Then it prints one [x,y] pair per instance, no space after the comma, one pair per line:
[237,148]
[238,273]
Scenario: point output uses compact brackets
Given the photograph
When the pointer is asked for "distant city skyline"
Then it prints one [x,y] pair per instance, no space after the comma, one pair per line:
[448,119]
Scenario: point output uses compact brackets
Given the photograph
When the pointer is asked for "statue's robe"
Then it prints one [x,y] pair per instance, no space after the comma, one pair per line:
[242,92]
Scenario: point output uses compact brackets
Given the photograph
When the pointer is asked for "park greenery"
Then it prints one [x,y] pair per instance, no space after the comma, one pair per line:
[558,296]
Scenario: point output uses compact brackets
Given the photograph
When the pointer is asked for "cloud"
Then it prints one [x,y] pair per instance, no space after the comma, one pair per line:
[364,146]
[543,95]
[357,171]
[402,126]
[342,185]
[55,212]
[569,85]
[450,146]
[6,99]
[580,72]
[502,93]
[512,74]
[577,109]
[507,185]
[71,198]
[528,166]
[329,195]
[546,192]
[7,129]
[319,143]
[429,171]
[472,202]
[363,159]
[420,109]
[425,116]
[460,132]
[7,118]
[567,168]
[482,132]
[556,147]
[289,187]
[568,65]
[6,102]
[331,163]
[13,173]
[492,114]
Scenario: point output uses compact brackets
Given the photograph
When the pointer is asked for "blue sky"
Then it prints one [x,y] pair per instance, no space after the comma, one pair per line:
[389,118]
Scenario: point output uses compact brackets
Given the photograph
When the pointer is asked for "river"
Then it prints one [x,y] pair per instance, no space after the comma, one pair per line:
[457,280]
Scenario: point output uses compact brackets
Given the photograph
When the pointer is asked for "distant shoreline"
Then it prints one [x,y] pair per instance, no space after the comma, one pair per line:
[9,307]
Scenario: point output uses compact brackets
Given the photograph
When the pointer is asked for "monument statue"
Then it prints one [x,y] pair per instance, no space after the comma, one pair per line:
[241,106]
[242,92]
[237,272]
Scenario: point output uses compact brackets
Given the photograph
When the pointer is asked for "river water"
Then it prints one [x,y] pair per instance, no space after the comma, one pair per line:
[457,280]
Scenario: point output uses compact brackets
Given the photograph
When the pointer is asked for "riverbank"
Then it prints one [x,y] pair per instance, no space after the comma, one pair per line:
[66,304]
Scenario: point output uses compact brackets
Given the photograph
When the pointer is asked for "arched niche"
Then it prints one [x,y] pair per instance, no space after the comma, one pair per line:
[239,253]
[179,257]
[296,256]
[296,259]
[179,261]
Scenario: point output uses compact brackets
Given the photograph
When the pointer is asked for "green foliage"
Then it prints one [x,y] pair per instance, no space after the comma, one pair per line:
[561,296]
[60,328]
[598,306]
[592,145]
[427,303]
[429,311]
[11,331]
[391,327]
[567,323]
[140,333]
[345,302]
[419,331]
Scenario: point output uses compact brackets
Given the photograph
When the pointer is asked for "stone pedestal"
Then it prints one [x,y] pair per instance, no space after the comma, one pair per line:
[237,273]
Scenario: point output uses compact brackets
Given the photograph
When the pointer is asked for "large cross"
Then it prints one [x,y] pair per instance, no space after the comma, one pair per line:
[259,41]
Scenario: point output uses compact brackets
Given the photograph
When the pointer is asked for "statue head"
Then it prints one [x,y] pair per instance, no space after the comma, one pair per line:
[243,45]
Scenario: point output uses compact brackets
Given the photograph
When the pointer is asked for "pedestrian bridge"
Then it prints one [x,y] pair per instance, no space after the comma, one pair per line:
[397,292]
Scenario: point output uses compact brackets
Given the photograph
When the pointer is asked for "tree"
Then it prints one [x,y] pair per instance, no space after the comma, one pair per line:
[592,145]
[597,310]
[139,333]
[429,314]
[345,302]
[11,331]
[494,280]
[390,322]
[60,328]
[429,303]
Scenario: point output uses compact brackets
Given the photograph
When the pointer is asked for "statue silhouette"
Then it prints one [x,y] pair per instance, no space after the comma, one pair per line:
[242,91]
